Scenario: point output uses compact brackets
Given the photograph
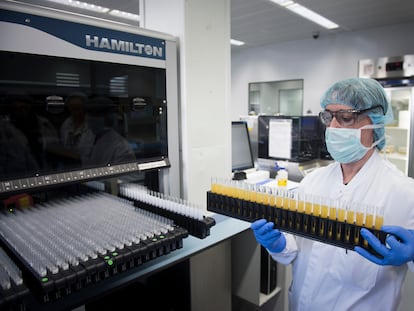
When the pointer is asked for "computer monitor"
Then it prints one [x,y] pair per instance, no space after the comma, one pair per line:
[241,151]
[290,138]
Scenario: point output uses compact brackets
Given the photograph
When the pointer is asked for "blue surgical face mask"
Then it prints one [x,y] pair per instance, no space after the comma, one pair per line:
[344,144]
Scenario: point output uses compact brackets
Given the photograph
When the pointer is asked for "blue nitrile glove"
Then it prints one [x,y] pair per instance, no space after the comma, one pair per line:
[270,238]
[399,248]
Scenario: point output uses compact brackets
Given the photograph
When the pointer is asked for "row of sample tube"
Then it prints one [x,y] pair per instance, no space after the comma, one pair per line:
[68,234]
[184,213]
[365,215]
[333,222]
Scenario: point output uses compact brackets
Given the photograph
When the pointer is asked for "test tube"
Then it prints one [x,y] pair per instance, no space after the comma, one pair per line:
[324,201]
[379,217]
[317,208]
[350,213]
[308,204]
[301,203]
[369,216]
[279,197]
[360,215]
[333,209]
[293,200]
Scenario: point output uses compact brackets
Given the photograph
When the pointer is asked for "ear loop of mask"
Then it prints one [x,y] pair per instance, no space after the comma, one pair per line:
[373,126]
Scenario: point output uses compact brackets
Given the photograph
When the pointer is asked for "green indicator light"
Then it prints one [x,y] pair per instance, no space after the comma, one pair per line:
[110,262]
[11,210]
[154,239]
[107,257]
[115,254]
[45,279]
[162,236]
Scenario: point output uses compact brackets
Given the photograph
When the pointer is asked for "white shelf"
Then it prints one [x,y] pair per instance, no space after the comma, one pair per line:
[395,128]
[263,298]
[396,156]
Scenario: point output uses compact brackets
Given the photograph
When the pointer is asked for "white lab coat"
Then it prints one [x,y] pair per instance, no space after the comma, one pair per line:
[326,277]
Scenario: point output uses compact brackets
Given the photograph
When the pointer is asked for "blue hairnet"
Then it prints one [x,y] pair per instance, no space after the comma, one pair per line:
[362,93]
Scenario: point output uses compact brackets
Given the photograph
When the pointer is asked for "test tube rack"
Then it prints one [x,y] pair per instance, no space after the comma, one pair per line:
[184,214]
[66,245]
[329,231]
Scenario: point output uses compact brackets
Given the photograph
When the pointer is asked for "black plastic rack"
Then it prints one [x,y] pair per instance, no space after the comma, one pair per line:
[334,232]
[53,287]
[199,228]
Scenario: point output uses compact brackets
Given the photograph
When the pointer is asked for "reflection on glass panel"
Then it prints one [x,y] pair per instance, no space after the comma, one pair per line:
[276,97]
[72,114]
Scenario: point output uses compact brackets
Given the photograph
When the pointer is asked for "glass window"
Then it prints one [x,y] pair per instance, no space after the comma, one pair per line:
[276,97]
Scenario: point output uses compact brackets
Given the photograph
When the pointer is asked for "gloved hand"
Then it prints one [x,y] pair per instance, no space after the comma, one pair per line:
[270,238]
[399,248]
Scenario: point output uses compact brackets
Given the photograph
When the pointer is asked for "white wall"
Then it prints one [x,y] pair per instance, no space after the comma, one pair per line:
[319,62]
[202,29]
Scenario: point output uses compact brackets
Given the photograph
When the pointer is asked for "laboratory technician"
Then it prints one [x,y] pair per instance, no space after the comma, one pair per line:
[326,277]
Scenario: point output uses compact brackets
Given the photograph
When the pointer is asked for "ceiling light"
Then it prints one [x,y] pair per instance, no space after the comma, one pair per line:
[312,16]
[82,5]
[236,42]
[127,15]
[306,13]
[283,2]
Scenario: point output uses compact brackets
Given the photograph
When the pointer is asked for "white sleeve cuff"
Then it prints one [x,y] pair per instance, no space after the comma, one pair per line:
[286,256]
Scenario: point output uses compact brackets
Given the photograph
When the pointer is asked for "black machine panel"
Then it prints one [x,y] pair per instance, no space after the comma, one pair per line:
[71,115]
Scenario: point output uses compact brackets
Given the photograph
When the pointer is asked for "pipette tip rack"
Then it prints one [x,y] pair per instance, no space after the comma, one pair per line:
[183,213]
[13,292]
[82,241]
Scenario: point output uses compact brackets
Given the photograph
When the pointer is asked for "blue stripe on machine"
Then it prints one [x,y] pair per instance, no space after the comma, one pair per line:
[91,37]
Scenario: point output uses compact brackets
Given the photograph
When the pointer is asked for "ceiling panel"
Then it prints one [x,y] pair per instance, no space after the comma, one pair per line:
[262,22]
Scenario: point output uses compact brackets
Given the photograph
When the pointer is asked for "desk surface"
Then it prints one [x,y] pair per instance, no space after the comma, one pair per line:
[225,228]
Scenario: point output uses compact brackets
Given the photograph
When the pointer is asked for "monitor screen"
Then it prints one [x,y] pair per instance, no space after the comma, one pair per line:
[241,151]
[292,138]
[62,114]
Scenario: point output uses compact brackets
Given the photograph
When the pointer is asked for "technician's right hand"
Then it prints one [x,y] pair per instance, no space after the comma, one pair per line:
[270,238]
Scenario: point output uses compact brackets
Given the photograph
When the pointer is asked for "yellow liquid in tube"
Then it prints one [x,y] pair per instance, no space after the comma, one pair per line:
[214,188]
[379,221]
[324,211]
[285,202]
[301,206]
[279,201]
[316,209]
[341,214]
[252,196]
[359,218]
[292,204]
[332,213]
[266,198]
[259,197]
[308,207]
[369,221]
[350,216]
[272,200]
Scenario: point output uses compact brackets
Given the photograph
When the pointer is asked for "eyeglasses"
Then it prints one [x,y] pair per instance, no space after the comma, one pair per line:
[344,117]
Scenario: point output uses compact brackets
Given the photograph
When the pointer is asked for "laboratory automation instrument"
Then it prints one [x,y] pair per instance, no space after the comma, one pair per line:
[82,206]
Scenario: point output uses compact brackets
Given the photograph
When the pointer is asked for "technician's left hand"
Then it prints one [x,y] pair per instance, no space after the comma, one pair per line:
[399,249]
